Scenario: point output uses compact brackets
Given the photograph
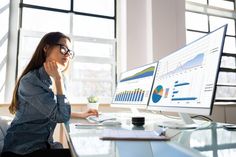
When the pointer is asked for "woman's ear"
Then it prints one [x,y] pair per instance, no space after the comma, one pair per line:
[45,48]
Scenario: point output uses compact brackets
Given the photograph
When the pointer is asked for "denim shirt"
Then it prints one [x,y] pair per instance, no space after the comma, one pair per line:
[38,113]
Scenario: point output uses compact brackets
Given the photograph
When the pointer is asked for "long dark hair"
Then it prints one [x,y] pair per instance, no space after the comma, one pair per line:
[37,60]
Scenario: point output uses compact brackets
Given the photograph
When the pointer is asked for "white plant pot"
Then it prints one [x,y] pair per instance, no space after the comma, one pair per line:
[93,105]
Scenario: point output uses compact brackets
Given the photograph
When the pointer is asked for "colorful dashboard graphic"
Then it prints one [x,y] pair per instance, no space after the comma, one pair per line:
[187,77]
[149,72]
[157,94]
[135,85]
[135,95]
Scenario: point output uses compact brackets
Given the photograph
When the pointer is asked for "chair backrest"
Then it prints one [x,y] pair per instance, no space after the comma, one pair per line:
[4,124]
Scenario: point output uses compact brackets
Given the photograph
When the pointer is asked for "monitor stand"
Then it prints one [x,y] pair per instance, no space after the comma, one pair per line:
[185,122]
[134,111]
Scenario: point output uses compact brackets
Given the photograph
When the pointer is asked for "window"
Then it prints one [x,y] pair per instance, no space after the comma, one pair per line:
[101,7]
[59,4]
[45,21]
[92,30]
[225,4]
[93,27]
[205,16]
[4,18]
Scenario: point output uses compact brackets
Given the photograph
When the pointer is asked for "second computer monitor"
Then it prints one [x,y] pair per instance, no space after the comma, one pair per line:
[185,80]
[134,87]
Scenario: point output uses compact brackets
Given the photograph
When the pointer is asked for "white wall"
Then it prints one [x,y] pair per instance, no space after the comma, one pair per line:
[168,20]
[136,33]
[148,30]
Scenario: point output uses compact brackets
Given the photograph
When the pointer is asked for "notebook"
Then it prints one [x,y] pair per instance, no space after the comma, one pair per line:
[114,134]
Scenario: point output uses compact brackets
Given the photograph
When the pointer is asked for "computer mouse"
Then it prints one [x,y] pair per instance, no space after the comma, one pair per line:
[111,123]
[230,127]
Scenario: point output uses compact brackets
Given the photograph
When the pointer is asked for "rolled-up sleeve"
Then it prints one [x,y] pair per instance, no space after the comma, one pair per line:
[54,107]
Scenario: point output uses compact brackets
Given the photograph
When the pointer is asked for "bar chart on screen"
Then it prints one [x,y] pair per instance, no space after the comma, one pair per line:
[135,85]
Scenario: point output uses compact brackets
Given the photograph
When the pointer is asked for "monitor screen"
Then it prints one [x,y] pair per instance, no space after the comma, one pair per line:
[134,86]
[185,80]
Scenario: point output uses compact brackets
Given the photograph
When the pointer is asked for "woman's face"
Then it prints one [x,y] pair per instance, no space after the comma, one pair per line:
[59,53]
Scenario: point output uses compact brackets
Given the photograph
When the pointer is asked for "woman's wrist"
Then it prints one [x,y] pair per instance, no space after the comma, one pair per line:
[77,115]
[57,78]
[59,85]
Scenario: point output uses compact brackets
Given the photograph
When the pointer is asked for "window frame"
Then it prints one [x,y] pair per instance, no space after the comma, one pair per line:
[223,13]
[4,38]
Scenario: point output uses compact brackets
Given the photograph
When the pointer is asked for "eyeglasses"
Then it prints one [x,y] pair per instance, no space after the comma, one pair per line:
[64,50]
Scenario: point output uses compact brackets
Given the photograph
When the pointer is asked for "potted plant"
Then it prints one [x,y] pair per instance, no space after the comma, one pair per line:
[93,102]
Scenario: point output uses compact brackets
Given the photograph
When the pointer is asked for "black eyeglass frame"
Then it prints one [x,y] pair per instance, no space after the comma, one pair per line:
[66,51]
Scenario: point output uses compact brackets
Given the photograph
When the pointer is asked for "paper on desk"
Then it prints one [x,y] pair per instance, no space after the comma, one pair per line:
[87,124]
[112,134]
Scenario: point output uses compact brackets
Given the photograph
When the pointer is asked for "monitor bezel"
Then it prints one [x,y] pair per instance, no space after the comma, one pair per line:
[196,110]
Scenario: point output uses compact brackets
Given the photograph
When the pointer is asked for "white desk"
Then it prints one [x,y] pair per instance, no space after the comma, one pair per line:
[213,141]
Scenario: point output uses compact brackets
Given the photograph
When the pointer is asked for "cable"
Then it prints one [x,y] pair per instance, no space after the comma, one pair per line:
[196,116]
[168,116]
[202,117]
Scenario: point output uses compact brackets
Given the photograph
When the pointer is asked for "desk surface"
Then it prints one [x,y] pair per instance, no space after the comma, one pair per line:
[211,141]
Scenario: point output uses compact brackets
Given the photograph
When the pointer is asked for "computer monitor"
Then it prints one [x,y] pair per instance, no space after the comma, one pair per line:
[134,87]
[185,80]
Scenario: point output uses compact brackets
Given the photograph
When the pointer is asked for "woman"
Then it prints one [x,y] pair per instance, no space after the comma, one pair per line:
[39,101]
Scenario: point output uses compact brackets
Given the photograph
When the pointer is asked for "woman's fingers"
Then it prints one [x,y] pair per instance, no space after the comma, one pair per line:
[52,69]
[93,112]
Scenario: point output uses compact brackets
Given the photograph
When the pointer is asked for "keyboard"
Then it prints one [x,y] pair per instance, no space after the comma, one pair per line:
[100,118]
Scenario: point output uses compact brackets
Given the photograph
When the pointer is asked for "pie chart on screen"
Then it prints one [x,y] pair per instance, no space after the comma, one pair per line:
[157,94]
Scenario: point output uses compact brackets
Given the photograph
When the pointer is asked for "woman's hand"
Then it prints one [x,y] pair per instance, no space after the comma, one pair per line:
[52,69]
[89,112]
